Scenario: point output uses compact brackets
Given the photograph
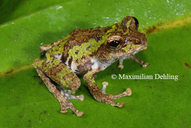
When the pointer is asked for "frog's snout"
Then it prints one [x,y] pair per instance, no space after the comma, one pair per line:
[144,41]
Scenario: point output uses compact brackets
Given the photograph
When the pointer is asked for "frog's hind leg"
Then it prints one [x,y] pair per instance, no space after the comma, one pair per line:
[61,94]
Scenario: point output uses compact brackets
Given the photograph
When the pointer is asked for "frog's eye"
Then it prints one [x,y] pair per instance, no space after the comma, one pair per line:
[115,41]
[136,22]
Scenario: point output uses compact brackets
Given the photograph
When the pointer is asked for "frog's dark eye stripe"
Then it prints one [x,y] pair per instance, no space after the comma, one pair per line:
[114,43]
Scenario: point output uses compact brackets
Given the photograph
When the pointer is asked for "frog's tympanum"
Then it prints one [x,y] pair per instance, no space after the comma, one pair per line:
[88,51]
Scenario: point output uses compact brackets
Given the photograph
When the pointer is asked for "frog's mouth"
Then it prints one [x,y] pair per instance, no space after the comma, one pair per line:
[135,47]
[143,47]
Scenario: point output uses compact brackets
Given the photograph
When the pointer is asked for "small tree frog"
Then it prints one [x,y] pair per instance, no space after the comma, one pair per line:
[88,51]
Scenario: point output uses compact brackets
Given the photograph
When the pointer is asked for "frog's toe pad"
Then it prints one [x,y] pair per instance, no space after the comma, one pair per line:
[120,66]
[145,64]
[128,92]
[116,104]
[79,114]
[81,97]
[63,111]
[105,84]
[121,104]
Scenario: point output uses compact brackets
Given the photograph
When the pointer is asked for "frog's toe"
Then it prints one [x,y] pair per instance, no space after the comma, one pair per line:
[120,66]
[121,104]
[117,104]
[145,64]
[79,114]
[63,111]
[105,84]
[65,104]
[128,92]
[81,97]
[108,98]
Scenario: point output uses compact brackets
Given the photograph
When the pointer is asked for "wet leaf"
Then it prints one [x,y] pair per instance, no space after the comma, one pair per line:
[156,102]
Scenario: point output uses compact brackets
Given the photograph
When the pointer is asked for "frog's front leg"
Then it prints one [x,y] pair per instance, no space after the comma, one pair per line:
[100,95]
[120,66]
[142,63]
[57,72]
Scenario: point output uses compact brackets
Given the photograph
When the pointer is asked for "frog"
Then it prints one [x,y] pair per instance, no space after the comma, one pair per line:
[87,52]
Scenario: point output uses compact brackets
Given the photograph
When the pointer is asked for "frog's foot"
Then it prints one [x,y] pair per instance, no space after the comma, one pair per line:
[62,95]
[101,96]
[65,104]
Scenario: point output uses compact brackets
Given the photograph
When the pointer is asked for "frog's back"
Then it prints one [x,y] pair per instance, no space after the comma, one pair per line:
[79,36]
[77,44]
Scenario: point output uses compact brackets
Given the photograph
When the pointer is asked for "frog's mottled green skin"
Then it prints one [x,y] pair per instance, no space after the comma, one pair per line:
[88,51]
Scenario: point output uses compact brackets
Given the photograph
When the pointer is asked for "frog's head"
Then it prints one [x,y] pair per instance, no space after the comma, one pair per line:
[123,40]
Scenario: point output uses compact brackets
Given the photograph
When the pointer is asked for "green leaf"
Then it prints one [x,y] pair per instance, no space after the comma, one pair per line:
[25,100]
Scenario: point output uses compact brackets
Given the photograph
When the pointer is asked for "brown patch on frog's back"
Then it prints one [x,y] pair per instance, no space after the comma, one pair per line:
[80,36]
[97,38]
